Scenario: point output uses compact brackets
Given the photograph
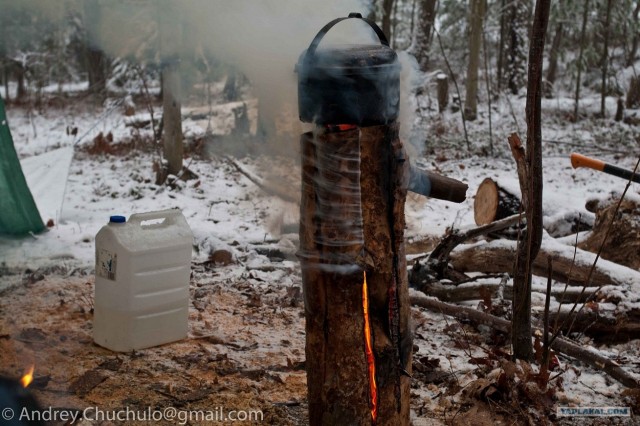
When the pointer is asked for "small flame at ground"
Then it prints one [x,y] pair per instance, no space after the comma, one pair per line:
[371,361]
[28,377]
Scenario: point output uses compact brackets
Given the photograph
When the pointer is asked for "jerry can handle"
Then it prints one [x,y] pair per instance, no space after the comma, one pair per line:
[168,215]
[316,41]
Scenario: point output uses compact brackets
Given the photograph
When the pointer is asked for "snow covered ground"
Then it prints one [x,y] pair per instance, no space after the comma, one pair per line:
[225,210]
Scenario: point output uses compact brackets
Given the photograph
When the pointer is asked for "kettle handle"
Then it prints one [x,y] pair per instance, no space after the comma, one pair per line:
[316,41]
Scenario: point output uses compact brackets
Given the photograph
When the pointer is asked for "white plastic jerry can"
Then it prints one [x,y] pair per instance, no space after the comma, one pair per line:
[142,280]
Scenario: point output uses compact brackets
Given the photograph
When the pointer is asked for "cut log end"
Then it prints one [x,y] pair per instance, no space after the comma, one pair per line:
[493,203]
[485,206]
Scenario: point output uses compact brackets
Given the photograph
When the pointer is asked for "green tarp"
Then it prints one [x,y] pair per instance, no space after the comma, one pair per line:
[18,212]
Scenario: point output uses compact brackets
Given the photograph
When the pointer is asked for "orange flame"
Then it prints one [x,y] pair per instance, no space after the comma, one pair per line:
[368,349]
[28,377]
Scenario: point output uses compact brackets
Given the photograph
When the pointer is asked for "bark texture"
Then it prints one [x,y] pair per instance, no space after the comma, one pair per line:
[478,8]
[354,185]
[531,190]
[423,33]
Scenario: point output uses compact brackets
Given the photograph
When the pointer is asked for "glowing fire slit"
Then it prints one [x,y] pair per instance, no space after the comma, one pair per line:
[368,348]
[28,377]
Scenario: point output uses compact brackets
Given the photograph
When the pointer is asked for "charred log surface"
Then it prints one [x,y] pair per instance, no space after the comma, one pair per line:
[339,239]
[623,242]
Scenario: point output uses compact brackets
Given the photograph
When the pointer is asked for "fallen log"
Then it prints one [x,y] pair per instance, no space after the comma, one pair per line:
[499,256]
[622,244]
[604,326]
[559,344]
[493,202]
[480,291]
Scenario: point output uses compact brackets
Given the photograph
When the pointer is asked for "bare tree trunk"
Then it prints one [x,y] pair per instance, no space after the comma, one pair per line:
[96,59]
[553,53]
[478,8]
[423,33]
[371,6]
[96,67]
[634,41]
[521,337]
[585,17]
[518,31]
[387,10]
[501,53]
[22,88]
[5,78]
[394,25]
[170,39]
[605,57]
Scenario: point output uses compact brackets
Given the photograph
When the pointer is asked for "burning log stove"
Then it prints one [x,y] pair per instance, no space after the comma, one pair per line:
[355,177]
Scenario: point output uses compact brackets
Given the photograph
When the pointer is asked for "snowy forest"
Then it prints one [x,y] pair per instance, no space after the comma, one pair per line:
[426,212]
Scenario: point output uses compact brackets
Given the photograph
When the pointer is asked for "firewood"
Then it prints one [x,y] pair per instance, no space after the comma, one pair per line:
[493,203]
[499,256]
[605,325]
[593,359]
[460,293]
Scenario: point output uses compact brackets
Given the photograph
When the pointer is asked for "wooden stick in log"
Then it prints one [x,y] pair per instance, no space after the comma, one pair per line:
[560,344]
[433,185]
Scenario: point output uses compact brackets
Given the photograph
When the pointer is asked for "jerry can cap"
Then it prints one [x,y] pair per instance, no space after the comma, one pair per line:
[117,219]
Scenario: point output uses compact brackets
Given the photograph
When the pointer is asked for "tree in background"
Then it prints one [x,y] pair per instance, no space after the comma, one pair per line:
[518,35]
[558,20]
[387,10]
[97,62]
[605,55]
[476,16]
[423,32]
[170,30]
[634,24]
[583,32]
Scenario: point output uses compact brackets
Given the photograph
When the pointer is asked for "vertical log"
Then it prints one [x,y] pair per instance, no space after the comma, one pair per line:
[443,91]
[339,239]
[337,380]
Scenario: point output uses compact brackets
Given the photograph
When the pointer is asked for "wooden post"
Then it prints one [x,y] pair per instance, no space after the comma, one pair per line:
[171,42]
[443,91]
[354,186]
